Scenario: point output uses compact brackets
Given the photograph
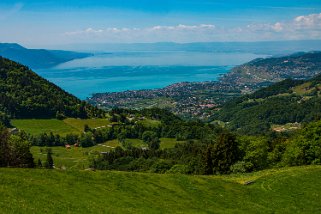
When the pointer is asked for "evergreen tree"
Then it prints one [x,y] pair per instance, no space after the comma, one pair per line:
[50,163]
[39,163]
[208,161]
[225,153]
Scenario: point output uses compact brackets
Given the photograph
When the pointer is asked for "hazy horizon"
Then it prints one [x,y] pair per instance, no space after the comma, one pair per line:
[36,23]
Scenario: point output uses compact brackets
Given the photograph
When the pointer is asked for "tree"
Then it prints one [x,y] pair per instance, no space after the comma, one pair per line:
[305,148]
[4,119]
[4,147]
[49,163]
[256,153]
[86,128]
[14,150]
[208,160]
[151,139]
[39,163]
[225,153]
[86,140]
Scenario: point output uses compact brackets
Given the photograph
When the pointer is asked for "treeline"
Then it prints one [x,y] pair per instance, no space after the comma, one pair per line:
[227,153]
[14,150]
[170,126]
[24,94]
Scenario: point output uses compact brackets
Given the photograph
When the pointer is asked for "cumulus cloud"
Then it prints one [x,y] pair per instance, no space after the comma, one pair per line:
[300,27]
[311,21]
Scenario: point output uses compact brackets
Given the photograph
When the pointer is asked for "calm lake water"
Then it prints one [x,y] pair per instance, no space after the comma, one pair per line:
[115,72]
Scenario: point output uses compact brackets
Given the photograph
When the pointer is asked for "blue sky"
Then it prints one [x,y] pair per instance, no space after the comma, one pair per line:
[36,23]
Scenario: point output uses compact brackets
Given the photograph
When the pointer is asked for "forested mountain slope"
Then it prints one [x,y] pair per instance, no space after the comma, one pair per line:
[24,94]
[289,101]
[270,70]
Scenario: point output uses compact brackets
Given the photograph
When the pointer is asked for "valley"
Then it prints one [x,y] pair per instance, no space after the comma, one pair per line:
[139,106]
[255,143]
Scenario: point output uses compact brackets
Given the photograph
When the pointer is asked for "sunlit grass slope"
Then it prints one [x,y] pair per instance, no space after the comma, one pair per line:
[62,127]
[289,190]
[38,126]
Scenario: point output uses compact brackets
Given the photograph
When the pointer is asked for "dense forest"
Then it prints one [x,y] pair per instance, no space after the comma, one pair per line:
[24,94]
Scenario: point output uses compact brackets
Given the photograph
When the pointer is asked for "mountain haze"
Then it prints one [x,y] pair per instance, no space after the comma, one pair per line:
[37,58]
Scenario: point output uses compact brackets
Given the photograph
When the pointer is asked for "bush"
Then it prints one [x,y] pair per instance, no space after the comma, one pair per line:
[305,148]
[179,169]
[240,167]
[161,166]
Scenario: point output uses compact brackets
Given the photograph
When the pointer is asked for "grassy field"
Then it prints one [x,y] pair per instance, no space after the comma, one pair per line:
[38,126]
[80,123]
[150,123]
[289,190]
[77,157]
[62,127]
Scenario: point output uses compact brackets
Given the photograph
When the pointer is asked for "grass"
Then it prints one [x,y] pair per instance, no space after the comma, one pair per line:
[62,127]
[38,126]
[77,157]
[302,89]
[150,123]
[167,143]
[288,190]
[80,123]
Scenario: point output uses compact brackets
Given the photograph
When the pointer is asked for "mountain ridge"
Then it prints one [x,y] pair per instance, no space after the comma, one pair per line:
[37,58]
[24,94]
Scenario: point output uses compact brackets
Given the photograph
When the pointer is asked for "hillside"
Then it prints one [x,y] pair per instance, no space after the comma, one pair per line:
[270,70]
[289,101]
[289,190]
[37,58]
[24,94]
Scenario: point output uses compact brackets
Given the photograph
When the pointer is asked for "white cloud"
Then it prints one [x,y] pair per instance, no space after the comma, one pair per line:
[309,21]
[178,33]
[301,27]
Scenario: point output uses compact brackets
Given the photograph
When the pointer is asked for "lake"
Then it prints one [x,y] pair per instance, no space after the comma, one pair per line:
[120,71]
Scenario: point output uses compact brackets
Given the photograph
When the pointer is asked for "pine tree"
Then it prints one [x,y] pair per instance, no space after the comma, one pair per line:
[225,153]
[50,163]
[208,161]
[39,163]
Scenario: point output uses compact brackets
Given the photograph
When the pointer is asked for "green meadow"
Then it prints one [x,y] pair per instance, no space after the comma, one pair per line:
[287,190]
[62,127]
[38,126]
